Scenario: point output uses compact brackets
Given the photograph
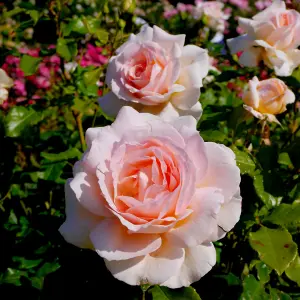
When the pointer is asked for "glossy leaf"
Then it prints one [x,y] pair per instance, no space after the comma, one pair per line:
[66,48]
[18,118]
[29,64]
[293,271]
[286,215]
[275,247]
[253,289]
[244,161]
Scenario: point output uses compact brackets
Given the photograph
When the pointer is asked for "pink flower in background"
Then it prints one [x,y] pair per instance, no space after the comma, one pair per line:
[241,4]
[267,98]
[31,52]
[272,36]
[19,87]
[260,5]
[150,197]
[168,14]
[93,57]
[154,72]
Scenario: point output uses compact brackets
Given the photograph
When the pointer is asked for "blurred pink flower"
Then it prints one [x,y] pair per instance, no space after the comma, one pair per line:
[31,52]
[93,57]
[168,14]
[19,87]
[260,5]
[241,4]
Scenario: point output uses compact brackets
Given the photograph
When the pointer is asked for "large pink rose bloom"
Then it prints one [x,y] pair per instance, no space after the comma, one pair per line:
[272,36]
[154,72]
[150,196]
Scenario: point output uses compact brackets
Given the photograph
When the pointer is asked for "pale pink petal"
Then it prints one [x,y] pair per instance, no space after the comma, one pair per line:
[130,118]
[251,57]
[222,172]
[112,241]
[186,121]
[195,65]
[167,40]
[145,34]
[79,221]
[254,112]
[86,188]
[150,269]
[276,7]
[155,226]
[198,227]
[110,104]
[165,111]
[240,43]
[289,97]
[228,216]
[197,262]
[104,134]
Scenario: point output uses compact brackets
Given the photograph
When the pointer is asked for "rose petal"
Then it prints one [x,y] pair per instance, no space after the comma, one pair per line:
[112,241]
[222,171]
[88,193]
[151,269]
[228,216]
[198,227]
[167,40]
[197,262]
[79,221]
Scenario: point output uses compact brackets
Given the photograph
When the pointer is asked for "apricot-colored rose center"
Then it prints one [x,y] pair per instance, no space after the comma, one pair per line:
[270,95]
[148,181]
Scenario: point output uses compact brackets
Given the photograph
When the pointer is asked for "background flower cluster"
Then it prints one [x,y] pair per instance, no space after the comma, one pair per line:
[54,56]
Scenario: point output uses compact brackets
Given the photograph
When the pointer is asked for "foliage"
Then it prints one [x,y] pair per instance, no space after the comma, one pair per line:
[58,51]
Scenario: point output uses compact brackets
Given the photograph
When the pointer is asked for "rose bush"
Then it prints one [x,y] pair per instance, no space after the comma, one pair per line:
[272,36]
[267,98]
[150,196]
[154,72]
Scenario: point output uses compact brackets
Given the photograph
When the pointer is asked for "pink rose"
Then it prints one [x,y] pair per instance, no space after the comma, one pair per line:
[271,36]
[150,196]
[267,98]
[154,72]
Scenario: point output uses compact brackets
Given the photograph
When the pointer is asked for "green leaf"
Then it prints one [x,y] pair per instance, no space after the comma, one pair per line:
[102,36]
[34,14]
[13,12]
[18,118]
[293,271]
[54,171]
[278,295]
[266,197]
[284,159]
[230,278]
[263,272]
[91,77]
[253,289]
[66,48]
[163,293]
[275,247]
[213,135]
[295,192]
[93,24]
[75,25]
[244,161]
[29,64]
[26,263]
[286,215]
[47,268]
[62,156]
